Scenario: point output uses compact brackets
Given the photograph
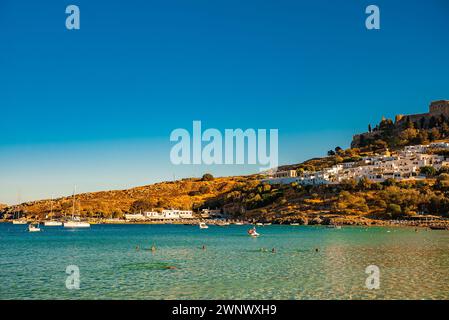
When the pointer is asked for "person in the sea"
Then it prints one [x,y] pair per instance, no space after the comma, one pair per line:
[153,248]
[273,250]
[316,249]
[137,248]
[204,247]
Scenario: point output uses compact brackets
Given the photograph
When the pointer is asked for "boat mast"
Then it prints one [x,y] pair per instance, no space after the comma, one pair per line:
[51,208]
[73,204]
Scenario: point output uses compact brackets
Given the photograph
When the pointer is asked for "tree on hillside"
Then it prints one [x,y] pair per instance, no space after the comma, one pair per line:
[434,134]
[141,205]
[422,122]
[409,124]
[442,181]
[394,210]
[338,150]
[207,177]
[428,171]
[421,138]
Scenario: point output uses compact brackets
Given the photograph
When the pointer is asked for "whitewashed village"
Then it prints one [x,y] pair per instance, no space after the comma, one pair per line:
[402,165]
[405,164]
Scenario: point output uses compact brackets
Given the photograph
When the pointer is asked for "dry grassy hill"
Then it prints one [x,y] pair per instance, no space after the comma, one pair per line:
[183,194]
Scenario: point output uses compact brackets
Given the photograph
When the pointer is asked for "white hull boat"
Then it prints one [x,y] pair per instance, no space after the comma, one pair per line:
[52,223]
[19,222]
[76,224]
[253,232]
[33,228]
[202,225]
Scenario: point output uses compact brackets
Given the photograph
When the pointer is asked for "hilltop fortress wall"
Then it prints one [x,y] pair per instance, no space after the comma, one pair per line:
[436,109]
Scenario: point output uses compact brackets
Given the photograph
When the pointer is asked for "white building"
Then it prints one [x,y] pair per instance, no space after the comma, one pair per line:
[177,214]
[443,145]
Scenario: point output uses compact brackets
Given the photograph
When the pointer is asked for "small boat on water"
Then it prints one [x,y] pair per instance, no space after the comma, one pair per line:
[294,224]
[239,223]
[52,223]
[267,224]
[253,232]
[76,224]
[259,224]
[19,221]
[34,228]
[333,226]
[202,225]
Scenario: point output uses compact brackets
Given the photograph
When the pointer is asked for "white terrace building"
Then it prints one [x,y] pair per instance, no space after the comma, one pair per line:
[169,214]
[405,165]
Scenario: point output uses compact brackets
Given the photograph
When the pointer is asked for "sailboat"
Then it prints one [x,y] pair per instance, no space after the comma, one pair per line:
[52,223]
[16,219]
[75,222]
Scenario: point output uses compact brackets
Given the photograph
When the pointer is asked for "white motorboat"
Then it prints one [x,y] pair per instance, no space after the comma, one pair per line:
[76,224]
[294,224]
[253,232]
[333,226]
[33,228]
[259,224]
[52,223]
[202,225]
[239,223]
[19,221]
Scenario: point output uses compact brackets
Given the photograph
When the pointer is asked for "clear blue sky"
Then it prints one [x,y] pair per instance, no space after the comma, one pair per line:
[95,107]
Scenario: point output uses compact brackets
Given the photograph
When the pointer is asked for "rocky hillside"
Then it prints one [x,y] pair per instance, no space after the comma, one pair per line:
[182,194]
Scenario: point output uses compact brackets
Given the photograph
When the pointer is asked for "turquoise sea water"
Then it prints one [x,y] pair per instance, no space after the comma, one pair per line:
[412,265]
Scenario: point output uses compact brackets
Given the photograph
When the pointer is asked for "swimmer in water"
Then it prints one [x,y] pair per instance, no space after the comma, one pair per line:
[204,247]
[316,249]
[273,250]
[137,248]
[153,248]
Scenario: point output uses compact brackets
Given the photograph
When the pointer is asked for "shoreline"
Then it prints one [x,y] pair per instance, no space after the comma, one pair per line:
[340,221]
